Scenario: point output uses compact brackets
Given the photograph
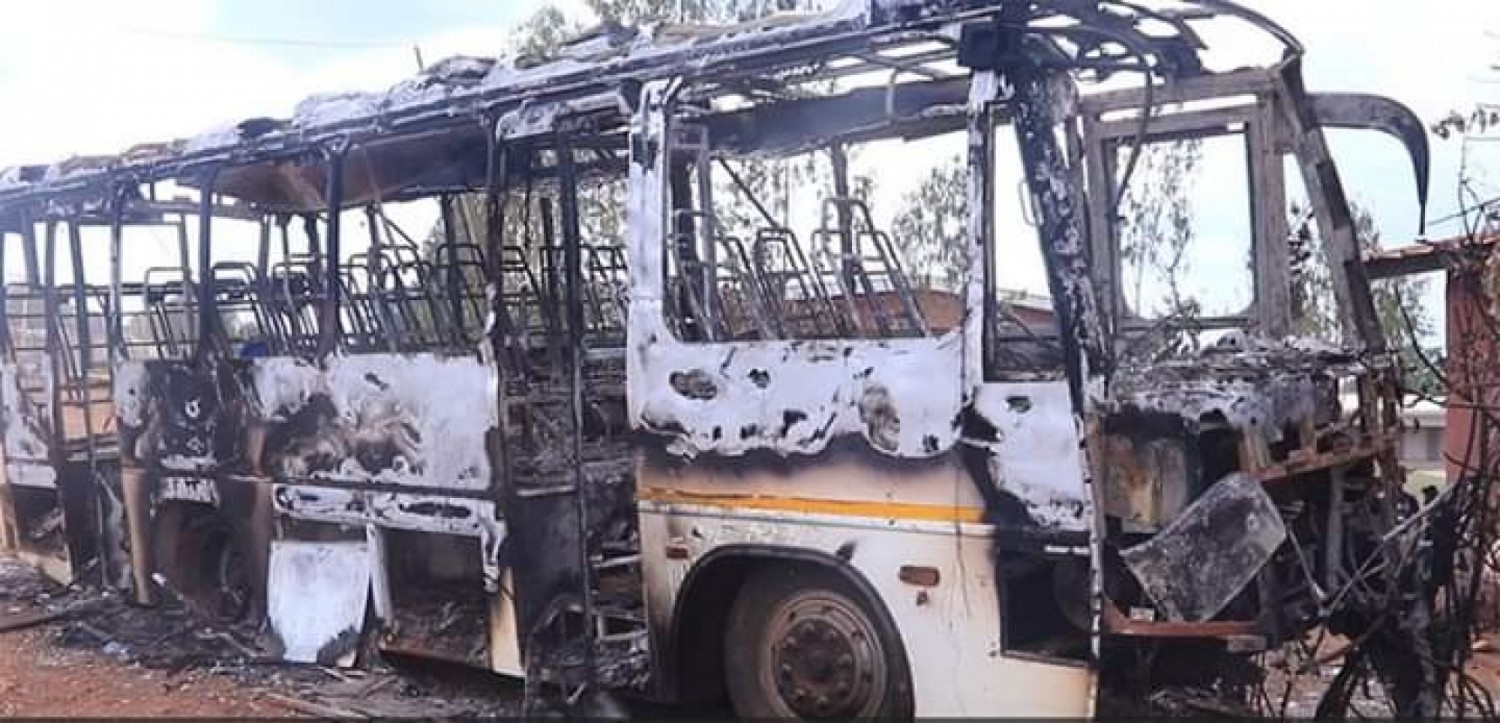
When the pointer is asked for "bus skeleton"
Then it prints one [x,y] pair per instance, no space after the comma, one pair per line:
[711,461]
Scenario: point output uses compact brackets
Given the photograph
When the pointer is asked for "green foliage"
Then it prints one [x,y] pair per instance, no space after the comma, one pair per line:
[541,34]
[931,229]
[1409,326]
[1156,226]
[1483,118]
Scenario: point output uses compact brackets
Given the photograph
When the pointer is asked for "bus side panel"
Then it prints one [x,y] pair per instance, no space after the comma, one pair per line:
[26,417]
[415,420]
[35,502]
[841,511]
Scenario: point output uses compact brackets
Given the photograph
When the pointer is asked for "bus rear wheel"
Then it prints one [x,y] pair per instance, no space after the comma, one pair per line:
[203,559]
[802,642]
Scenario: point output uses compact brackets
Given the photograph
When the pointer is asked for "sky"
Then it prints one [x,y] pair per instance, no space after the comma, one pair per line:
[81,77]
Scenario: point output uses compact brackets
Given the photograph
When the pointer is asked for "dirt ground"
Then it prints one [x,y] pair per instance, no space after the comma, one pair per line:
[101,657]
[39,679]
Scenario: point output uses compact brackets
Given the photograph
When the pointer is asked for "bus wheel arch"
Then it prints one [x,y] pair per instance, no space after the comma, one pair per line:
[714,587]
[204,557]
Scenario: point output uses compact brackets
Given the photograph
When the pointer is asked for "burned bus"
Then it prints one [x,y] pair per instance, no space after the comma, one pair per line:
[623,422]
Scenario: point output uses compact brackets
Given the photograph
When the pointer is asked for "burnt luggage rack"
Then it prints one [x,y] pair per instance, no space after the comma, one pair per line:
[795,296]
[863,265]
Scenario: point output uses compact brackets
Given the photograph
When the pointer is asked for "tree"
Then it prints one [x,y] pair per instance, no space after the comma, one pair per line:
[931,229]
[541,34]
[1157,226]
[1398,301]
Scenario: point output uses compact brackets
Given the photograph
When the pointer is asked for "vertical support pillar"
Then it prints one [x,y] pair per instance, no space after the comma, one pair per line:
[9,536]
[114,321]
[329,334]
[28,251]
[86,392]
[54,345]
[708,239]
[5,338]
[189,288]
[573,304]
[453,278]
[208,313]
[840,162]
[136,485]
[1039,107]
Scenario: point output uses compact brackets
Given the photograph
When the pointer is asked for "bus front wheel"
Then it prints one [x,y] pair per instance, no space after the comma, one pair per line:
[802,642]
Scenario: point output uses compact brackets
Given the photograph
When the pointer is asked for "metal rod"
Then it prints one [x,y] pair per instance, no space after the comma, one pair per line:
[207,295]
[189,295]
[496,187]
[53,342]
[573,269]
[263,248]
[310,229]
[114,321]
[5,341]
[328,330]
[28,252]
[450,240]
[840,162]
[374,294]
[85,361]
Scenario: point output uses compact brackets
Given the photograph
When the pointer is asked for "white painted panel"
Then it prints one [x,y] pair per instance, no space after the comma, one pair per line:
[317,595]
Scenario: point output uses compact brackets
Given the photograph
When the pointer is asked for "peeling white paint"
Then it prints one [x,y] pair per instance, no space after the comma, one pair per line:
[130,393]
[317,592]
[415,512]
[282,386]
[26,419]
[329,108]
[190,462]
[903,396]
[188,489]
[1035,454]
[433,410]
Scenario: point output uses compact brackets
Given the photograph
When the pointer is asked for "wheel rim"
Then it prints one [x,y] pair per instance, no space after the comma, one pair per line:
[825,658]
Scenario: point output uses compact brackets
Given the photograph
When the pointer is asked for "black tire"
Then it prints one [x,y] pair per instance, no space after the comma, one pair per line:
[804,642]
[202,556]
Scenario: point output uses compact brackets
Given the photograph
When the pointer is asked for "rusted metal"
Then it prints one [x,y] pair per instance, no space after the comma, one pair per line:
[328,314]
[1119,624]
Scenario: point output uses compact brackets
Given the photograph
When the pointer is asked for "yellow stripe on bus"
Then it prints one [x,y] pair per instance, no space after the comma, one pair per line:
[813,506]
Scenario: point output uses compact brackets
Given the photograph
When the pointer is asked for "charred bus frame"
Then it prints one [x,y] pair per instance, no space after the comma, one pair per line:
[649,500]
